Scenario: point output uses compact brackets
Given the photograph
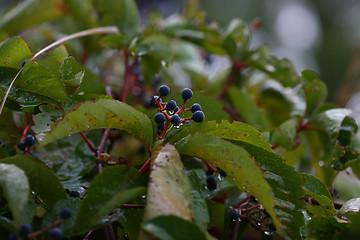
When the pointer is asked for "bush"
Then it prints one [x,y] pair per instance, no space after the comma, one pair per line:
[257,155]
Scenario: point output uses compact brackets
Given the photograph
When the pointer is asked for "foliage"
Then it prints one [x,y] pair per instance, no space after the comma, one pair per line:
[263,134]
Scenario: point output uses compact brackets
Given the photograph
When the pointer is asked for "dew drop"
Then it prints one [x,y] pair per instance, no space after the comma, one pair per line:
[321,163]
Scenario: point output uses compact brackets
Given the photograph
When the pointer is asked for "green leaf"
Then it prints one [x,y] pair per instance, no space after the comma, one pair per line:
[110,189]
[102,113]
[38,79]
[237,39]
[15,187]
[286,185]
[236,162]
[41,178]
[316,189]
[172,228]
[169,187]
[72,74]
[116,41]
[347,129]
[352,205]
[322,227]
[315,91]
[247,108]
[123,13]
[285,134]
[30,13]
[237,131]
[156,45]
[13,52]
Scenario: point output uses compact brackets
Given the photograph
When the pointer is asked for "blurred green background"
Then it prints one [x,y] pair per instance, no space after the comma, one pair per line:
[321,35]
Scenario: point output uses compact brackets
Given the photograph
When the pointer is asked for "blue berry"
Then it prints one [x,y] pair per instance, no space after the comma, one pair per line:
[196,107]
[74,193]
[23,63]
[153,101]
[234,214]
[198,116]
[56,233]
[22,146]
[160,118]
[175,120]
[209,172]
[29,140]
[186,94]
[164,90]
[1,141]
[12,236]
[65,213]
[160,128]
[171,105]
[272,226]
[211,182]
[35,155]
[25,229]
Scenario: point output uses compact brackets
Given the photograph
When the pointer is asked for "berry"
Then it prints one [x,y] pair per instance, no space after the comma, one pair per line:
[176,109]
[153,101]
[25,229]
[272,226]
[1,141]
[209,172]
[198,116]
[22,146]
[171,105]
[234,214]
[164,90]
[186,94]
[175,120]
[195,107]
[65,213]
[56,233]
[160,118]
[12,236]
[74,193]
[35,155]
[211,182]
[23,63]
[29,140]
[221,172]
[160,128]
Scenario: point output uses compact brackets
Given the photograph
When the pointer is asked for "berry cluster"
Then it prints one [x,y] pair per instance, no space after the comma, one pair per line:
[54,231]
[169,112]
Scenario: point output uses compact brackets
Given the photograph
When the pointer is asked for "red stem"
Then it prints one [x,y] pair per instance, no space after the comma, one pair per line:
[88,235]
[56,223]
[244,200]
[132,206]
[92,148]
[146,167]
[235,70]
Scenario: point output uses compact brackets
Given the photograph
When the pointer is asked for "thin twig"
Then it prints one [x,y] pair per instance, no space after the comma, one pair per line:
[91,146]
[236,230]
[88,235]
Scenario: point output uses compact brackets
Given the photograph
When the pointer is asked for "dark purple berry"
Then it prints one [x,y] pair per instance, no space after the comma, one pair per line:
[23,63]
[186,94]
[153,101]
[160,128]
[209,172]
[195,107]
[198,116]
[74,193]
[175,120]
[234,214]
[221,172]
[164,90]
[29,140]
[12,236]
[25,229]
[160,118]
[211,182]
[56,233]
[35,155]
[22,146]
[176,109]
[65,213]
[171,105]
[272,226]
[1,141]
